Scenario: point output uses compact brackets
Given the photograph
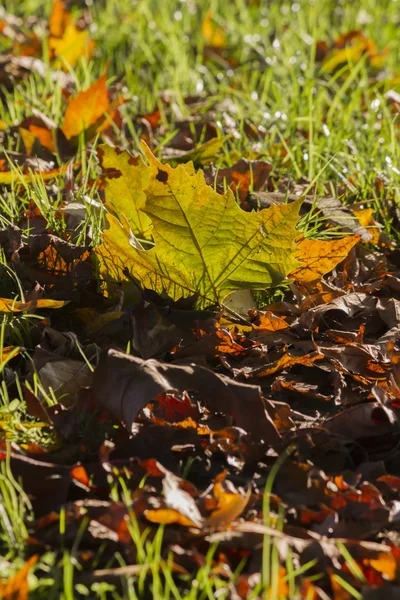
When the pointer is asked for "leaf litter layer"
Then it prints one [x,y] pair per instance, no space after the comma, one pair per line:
[156,431]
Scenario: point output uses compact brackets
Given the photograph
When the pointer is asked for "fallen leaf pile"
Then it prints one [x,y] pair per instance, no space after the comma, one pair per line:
[172,333]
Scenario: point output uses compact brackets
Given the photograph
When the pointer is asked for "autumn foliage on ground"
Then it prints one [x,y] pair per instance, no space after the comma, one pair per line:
[200,353]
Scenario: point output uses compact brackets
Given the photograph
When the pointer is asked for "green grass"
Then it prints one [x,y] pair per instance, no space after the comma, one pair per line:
[324,127]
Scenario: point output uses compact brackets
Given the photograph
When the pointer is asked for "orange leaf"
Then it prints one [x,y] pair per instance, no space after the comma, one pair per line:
[168,516]
[72,46]
[392,481]
[269,323]
[385,564]
[59,19]
[320,256]
[7,353]
[230,505]
[44,136]
[286,361]
[16,588]
[80,476]
[86,108]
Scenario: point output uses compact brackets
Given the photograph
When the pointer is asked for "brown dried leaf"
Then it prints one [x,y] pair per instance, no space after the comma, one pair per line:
[125,384]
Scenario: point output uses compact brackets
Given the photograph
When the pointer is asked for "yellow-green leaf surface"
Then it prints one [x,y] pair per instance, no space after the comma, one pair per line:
[124,177]
[8,305]
[204,243]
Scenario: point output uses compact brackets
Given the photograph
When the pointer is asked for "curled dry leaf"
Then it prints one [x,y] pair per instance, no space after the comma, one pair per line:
[124,384]
[364,420]
[229,505]
[180,507]
[65,378]
[267,322]
[360,359]
[285,361]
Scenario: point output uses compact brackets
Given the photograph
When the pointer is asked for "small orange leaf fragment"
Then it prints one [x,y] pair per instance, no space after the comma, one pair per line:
[385,564]
[44,136]
[59,19]
[230,505]
[86,108]
[17,588]
[79,475]
[269,323]
[286,361]
[168,516]
[7,353]
[320,256]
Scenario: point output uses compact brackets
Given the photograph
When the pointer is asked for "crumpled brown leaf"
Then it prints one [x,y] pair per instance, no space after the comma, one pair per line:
[124,384]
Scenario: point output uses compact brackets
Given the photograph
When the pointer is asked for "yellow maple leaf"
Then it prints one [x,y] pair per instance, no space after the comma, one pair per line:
[124,177]
[204,244]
